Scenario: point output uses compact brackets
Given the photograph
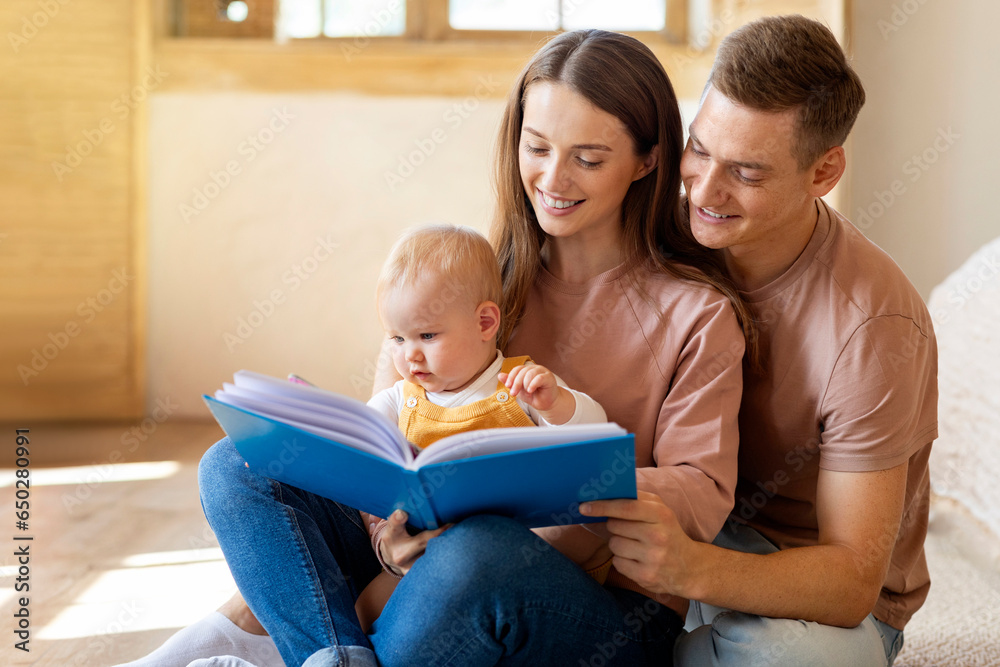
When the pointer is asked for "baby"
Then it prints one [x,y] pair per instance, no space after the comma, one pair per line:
[437,299]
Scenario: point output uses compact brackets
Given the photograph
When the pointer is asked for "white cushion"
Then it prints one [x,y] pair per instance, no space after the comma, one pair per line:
[965,460]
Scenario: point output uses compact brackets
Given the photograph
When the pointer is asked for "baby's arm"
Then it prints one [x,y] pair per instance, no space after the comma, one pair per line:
[537,386]
[587,550]
[578,407]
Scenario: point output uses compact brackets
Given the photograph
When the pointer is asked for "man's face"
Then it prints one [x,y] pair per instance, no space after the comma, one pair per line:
[745,189]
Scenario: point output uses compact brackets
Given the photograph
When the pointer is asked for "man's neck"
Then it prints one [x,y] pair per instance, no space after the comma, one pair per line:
[755,265]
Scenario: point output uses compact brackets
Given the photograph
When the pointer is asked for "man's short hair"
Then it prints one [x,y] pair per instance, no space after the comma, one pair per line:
[460,259]
[791,62]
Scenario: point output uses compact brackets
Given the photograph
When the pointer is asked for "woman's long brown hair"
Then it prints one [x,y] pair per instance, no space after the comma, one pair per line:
[621,76]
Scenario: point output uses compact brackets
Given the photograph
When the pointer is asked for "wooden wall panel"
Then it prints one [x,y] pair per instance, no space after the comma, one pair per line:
[71,105]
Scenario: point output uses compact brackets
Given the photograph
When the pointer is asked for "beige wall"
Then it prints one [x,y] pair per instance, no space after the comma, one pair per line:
[925,147]
[292,243]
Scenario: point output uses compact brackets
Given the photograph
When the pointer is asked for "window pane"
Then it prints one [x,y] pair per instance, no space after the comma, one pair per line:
[299,18]
[358,18]
[617,15]
[504,14]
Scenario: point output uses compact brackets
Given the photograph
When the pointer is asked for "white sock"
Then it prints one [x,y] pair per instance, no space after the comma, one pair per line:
[214,635]
[221,661]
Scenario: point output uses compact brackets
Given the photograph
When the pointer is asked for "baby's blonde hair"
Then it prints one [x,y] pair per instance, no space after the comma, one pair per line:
[459,257]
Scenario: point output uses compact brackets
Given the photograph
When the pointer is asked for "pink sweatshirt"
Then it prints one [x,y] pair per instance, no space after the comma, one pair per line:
[664,358]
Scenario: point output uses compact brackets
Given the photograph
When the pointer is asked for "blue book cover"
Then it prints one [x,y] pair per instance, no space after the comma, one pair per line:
[341,449]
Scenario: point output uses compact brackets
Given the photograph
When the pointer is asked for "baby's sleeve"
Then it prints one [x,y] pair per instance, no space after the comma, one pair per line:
[587,411]
[389,401]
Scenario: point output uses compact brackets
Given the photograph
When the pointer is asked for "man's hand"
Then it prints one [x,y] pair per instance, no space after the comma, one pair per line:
[537,386]
[399,549]
[648,544]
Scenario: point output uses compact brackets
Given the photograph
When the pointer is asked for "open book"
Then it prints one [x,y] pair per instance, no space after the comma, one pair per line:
[339,448]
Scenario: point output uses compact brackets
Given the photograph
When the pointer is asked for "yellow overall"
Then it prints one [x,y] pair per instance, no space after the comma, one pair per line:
[424,423]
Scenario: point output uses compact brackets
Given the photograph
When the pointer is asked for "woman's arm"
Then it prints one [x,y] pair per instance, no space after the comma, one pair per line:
[695,446]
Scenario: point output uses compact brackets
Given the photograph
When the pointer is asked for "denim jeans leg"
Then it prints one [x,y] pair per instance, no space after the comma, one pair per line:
[299,560]
[490,592]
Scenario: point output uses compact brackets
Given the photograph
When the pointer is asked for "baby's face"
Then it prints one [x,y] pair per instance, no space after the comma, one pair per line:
[435,338]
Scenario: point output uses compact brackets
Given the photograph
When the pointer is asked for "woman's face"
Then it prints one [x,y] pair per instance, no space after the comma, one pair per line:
[577,162]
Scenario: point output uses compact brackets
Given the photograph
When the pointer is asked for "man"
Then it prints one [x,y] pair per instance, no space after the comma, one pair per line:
[822,559]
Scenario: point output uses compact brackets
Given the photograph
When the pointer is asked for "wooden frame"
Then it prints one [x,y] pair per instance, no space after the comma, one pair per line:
[200,18]
[431,59]
[427,21]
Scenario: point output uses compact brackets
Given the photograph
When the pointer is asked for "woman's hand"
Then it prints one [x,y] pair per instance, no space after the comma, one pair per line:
[399,549]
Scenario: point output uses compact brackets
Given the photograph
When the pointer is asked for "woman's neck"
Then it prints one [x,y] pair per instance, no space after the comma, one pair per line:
[577,260]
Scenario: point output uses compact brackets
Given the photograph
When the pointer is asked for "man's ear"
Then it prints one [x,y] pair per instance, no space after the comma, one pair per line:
[827,171]
[648,164]
[489,319]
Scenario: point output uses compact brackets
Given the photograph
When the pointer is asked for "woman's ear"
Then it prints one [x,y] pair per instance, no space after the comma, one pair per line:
[649,163]
[489,319]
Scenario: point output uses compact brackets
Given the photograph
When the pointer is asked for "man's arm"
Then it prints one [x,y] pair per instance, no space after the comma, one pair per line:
[835,582]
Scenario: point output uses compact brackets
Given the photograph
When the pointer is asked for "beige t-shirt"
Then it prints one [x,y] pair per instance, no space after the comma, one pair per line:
[850,385]
[664,358]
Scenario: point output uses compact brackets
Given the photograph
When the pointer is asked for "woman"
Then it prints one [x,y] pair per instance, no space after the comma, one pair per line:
[605,285]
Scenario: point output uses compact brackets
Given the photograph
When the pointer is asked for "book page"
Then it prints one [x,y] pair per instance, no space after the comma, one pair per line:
[337,417]
[351,423]
[307,422]
[498,440]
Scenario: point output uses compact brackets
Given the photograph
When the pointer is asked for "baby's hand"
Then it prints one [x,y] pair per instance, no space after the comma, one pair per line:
[537,386]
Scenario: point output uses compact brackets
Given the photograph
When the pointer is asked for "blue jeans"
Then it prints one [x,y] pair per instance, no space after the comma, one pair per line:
[723,637]
[486,592]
